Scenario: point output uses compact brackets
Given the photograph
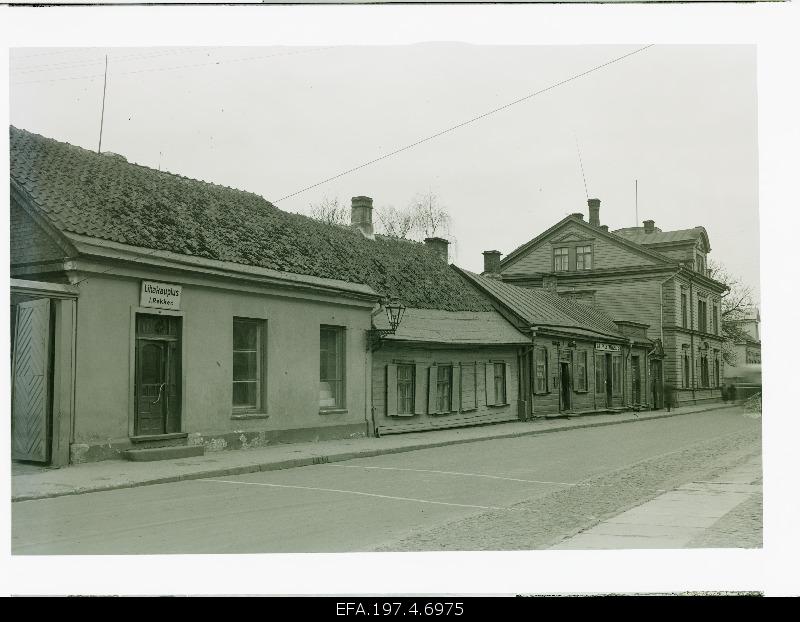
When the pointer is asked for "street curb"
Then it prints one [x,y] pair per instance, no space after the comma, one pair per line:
[347,455]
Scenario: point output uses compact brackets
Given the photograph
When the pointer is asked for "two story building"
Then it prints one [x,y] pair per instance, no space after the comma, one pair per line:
[642,275]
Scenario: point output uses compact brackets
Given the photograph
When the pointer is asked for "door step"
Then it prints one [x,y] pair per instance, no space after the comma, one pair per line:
[164,453]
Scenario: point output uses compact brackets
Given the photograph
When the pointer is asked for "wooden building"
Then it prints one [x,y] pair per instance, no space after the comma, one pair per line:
[642,275]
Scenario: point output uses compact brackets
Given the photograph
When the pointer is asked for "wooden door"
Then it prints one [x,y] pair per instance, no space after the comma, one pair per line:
[636,380]
[30,389]
[157,390]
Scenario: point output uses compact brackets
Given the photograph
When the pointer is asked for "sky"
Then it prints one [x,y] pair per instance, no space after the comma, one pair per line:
[679,119]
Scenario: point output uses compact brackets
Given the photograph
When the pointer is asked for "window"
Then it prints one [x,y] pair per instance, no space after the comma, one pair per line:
[331,367]
[561,259]
[702,318]
[616,371]
[248,354]
[500,383]
[444,383]
[405,389]
[701,264]
[684,311]
[704,381]
[716,370]
[541,370]
[686,365]
[581,377]
[715,320]
[583,257]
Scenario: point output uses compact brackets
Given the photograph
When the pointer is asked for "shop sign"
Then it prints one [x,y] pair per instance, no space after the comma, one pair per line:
[160,295]
[607,347]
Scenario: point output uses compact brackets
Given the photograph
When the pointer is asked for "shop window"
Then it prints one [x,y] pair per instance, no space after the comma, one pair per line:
[331,367]
[541,370]
[248,364]
[561,259]
[583,257]
[581,376]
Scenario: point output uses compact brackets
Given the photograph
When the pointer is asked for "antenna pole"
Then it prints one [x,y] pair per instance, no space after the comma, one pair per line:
[580,160]
[636,224]
[103,110]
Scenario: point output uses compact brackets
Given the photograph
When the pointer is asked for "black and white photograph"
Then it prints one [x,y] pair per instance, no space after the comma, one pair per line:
[428,296]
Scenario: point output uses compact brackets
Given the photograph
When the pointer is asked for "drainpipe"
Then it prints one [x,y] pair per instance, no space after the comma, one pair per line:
[532,372]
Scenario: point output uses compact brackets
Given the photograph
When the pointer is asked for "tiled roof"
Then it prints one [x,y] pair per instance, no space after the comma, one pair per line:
[453,327]
[106,197]
[540,307]
[637,234]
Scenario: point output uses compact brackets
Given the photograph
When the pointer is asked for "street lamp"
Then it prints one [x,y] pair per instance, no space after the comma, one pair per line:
[394,314]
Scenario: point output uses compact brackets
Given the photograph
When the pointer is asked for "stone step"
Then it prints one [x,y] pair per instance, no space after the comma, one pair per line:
[164,453]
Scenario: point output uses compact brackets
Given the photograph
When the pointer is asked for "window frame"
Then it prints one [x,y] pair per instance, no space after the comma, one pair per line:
[502,377]
[545,388]
[340,392]
[411,384]
[702,315]
[684,310]
[557,255]
[260,377]
[448,383]
[583,255]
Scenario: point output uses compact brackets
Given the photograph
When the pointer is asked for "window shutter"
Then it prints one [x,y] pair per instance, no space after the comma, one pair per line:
[391,390]
[419,389]
[432,377]
[505,379]
[455,392]
[489,377]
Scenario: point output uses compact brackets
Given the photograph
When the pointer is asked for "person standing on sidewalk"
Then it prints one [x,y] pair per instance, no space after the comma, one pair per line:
[669,395]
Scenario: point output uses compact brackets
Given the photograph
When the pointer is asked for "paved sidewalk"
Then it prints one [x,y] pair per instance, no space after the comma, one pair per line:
[31,483]
[686,517]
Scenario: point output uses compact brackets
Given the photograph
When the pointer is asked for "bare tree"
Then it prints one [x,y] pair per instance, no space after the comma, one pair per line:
[734,306]
[329,211]
[430,216]
[394,222]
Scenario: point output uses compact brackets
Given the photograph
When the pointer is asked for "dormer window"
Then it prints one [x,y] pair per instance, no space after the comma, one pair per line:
[700,263]
[561,259]
[583,257]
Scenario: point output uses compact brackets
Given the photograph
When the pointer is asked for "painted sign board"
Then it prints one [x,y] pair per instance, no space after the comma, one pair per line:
[157,295]
[607,347]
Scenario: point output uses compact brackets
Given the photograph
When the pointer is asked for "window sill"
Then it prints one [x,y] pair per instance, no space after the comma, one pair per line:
[332,411]
[239,416]
[497,405]
[541,393]
[468,410]
[581,390]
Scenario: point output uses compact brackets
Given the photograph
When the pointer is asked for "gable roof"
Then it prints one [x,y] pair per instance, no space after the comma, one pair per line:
[81,192]
[540,307]
[453,327]
[638,235]
[577,219]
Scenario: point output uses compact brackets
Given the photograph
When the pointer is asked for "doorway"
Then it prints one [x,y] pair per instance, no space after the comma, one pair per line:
[658,387]
[566,383]
[636,380]
[157,384]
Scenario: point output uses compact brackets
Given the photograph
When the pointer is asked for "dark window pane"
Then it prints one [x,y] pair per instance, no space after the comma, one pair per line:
[245,366]
[245,393]
[245,335]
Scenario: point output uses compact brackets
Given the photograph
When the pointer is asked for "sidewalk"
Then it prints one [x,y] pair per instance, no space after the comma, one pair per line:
[32,483]
[723,512]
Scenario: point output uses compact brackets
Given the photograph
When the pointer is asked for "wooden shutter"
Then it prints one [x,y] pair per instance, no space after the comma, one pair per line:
[391,390]
[420,381]
[432,378]
[489,377]
[505,379]
[455,389]
[30,382]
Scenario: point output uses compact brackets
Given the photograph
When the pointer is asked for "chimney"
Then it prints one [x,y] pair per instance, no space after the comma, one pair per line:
[604,228]
[491,262]
[577,215]
[438,246]
[361,216]
[594,212]
[649,226]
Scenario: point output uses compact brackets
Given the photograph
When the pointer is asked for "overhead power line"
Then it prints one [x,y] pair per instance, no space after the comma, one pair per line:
[467,122]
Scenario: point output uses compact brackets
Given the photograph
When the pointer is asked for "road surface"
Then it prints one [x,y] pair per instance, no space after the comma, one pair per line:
[516,493]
